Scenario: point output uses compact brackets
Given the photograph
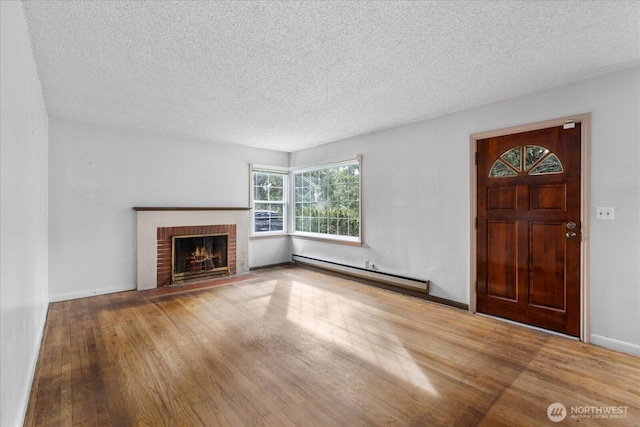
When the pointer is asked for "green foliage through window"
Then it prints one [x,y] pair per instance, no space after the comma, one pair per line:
[327,201]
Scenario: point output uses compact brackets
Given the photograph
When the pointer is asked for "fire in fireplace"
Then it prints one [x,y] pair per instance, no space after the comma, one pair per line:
[199,257]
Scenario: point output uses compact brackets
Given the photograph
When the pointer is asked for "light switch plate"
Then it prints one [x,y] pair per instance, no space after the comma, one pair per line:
[604,213]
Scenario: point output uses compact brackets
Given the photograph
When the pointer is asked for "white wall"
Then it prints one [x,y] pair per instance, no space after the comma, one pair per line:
[98,173]
[23,214]
[267,251]
[416,196]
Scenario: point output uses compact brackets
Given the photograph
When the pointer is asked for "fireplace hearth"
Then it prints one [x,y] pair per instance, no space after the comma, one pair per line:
[199,257]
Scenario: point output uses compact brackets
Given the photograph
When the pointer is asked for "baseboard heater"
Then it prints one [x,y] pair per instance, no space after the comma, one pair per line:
[421,286]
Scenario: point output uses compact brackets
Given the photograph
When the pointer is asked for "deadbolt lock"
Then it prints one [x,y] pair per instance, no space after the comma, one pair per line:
[571,225]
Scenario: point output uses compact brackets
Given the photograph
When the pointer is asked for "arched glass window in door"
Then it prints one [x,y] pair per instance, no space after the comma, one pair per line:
[532,159]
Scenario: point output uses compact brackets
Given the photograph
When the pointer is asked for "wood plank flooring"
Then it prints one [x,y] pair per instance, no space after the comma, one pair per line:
[294,347]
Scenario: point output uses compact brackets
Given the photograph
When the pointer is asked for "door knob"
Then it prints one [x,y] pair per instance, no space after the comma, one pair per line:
[571,234]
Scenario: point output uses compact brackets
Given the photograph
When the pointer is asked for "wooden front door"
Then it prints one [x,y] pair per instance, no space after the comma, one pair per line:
[528,229]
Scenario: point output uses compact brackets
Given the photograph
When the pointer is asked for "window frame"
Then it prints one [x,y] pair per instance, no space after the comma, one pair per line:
[254,168]
[350,160]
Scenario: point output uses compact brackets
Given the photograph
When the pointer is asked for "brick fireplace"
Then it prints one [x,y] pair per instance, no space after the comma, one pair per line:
[157,226]
[165,247]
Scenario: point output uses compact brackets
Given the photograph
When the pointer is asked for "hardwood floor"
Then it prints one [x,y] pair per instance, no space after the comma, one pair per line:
[295,347]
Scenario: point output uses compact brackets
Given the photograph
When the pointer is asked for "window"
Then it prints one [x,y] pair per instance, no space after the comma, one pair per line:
[327,200]
[537,161]
[269,199]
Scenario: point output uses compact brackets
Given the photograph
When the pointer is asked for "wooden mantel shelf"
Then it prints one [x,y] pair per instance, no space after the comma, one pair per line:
[193,208]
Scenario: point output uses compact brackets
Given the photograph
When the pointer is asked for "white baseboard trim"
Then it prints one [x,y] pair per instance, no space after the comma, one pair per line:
[33,364]
[90,293]
[614,344]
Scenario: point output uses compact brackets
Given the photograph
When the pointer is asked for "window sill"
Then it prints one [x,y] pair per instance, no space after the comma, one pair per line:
[267,235]
[350,241]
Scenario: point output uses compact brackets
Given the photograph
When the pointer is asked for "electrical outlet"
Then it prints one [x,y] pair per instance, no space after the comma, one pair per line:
[366,263]
[604,213]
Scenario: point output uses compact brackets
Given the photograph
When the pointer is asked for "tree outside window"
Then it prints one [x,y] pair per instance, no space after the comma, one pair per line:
[327,200]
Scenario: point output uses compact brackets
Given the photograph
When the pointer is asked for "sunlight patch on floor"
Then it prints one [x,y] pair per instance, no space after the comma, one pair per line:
[339,320]
[256,298]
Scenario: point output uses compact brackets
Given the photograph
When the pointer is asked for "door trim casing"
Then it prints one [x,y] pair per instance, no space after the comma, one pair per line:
[585,207]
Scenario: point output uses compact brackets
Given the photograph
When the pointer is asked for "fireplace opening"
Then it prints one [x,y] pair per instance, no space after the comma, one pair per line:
[199,257]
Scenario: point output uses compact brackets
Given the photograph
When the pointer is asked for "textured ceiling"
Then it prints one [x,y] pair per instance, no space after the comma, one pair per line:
[289,75]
